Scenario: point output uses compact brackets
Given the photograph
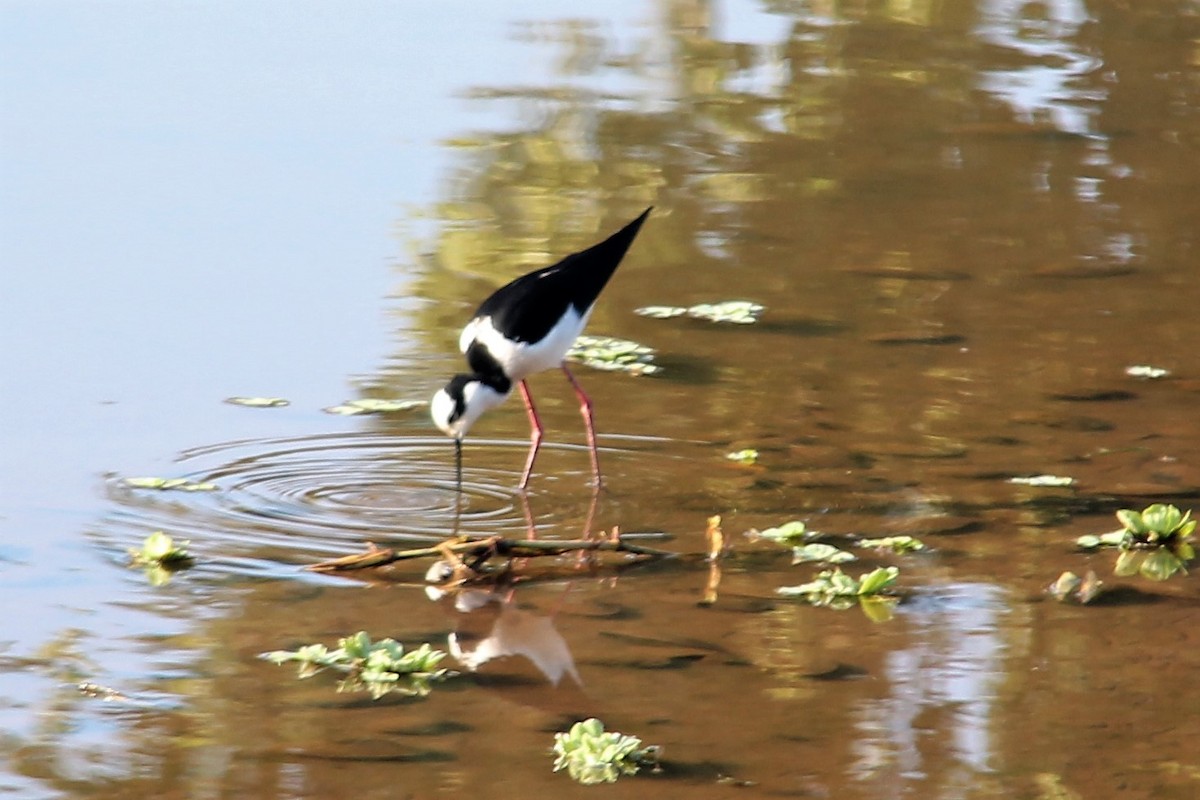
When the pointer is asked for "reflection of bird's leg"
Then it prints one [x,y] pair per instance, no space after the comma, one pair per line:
[587,557]
[530,525]
[535,433]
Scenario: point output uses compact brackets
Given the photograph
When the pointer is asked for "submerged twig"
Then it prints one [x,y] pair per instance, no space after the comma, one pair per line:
[477,550]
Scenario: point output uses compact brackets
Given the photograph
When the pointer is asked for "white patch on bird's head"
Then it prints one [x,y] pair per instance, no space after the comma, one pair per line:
[457,405]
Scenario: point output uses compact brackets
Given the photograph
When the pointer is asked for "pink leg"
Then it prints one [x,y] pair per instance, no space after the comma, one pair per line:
[535,434]
[585,408]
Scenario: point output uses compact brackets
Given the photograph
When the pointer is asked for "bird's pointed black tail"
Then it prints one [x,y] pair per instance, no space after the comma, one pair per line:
[595,265]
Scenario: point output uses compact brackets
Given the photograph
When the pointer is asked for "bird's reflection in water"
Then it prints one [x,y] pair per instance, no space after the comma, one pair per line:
[488,626]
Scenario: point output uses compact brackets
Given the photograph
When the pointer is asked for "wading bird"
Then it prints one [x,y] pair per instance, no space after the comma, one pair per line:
[528,326]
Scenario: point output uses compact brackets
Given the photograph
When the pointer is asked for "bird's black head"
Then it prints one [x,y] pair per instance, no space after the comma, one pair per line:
[457,405]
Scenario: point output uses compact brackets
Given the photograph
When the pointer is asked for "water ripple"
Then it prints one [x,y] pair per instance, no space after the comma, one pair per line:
[298,499]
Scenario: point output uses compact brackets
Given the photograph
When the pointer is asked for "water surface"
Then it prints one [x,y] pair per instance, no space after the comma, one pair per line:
[965,222]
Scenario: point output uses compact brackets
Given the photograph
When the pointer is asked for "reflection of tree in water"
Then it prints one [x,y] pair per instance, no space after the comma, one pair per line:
[856,125]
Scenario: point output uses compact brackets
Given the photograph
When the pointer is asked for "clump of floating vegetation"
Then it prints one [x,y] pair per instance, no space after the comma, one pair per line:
[787,533]
[170,484]
[258,402]
[819,551]
[897,544]
[833,585]
[1146,372]
[738,312]
[833,588]
[1043,480]
[807,545]
[160,557]
[1155,542]
[593,755]
[376,667]
[612,354]
[373,405]
[747,456]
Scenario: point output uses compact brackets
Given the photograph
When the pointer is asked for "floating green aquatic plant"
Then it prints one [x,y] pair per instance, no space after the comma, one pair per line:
[739,312]
[897,544]
[377,667]
[592,755]
[786,533]
[1155,542]
[1146,371]
[836,589]
[612,354]
[167,484]
[747,456]
[1043,480]
[160,557]
[372,405]
[817,551]
[833,583]
[258,402]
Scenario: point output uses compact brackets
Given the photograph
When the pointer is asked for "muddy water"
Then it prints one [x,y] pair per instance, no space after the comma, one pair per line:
[965,223]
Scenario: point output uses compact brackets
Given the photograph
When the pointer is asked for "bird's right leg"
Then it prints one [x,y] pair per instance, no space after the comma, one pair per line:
[535,434]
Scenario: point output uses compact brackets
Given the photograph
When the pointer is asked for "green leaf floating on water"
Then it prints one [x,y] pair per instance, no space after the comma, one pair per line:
[257,402]
[834,583]
[371,405]
[160,558]
[168,484]
[593,755]
[897,544]
[747,456]
[738,312]
[1094,541]
[614,355]
[783,534]
[159,548]
[1155,542]
[1146,371]
[820,552]
[1043,480]
[376,667]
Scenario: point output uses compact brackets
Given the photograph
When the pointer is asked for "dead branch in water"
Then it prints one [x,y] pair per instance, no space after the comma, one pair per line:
[476,550]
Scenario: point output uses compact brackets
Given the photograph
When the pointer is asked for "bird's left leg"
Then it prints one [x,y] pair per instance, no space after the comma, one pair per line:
[585,408]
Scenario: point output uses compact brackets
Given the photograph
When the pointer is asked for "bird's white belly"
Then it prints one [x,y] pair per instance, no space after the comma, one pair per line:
[520,359]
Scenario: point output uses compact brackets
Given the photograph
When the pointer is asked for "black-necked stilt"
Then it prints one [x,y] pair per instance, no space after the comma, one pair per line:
[528,326]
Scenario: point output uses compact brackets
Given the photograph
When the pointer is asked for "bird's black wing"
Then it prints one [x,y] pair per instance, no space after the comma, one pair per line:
[525,309]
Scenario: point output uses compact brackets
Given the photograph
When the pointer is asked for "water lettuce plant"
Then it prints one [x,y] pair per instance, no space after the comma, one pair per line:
[1146,372]
[612,354]
[833,585]
[817,551]
[258,402]
[835,589]
[159,556]
[786,533]
[376,667]
[739,312]
[897,544]
[373,405]
[168,484]
[1155,542]
[1043,480]
[747,456]
[592,755]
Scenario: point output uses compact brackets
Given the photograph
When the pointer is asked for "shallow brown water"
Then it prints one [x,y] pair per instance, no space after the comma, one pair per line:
[965,222]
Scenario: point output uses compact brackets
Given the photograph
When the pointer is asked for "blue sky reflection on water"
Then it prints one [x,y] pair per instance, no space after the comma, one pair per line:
[197,201]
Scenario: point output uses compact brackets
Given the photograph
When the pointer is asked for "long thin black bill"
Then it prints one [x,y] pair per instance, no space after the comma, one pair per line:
[458,463]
